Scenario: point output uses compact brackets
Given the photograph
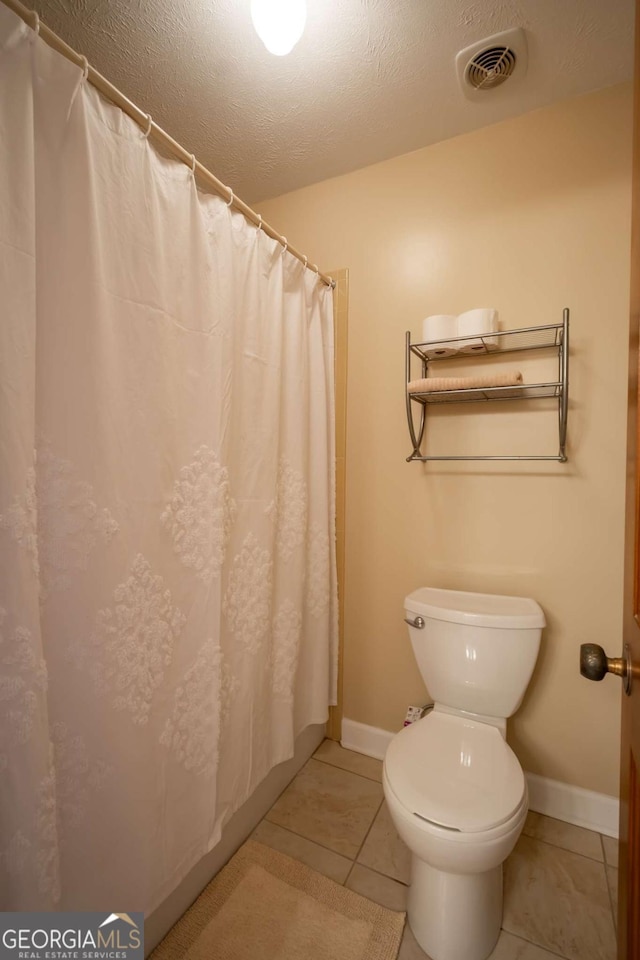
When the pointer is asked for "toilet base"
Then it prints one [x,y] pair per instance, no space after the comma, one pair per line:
[455,916]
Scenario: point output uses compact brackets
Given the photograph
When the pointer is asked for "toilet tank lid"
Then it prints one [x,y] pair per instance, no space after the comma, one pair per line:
[475,609]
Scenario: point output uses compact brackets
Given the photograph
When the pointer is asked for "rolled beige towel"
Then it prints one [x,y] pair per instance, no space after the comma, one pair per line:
[430,384]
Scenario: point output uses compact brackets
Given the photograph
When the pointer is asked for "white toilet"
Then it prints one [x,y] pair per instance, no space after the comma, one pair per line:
[455,790]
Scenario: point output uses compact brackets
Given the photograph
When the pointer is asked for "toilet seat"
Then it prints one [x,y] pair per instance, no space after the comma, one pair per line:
[455,773]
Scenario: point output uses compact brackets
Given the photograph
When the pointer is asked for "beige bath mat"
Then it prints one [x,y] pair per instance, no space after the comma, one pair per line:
[265,906]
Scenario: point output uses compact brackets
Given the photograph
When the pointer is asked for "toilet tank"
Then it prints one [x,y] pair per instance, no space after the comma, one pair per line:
[476,651]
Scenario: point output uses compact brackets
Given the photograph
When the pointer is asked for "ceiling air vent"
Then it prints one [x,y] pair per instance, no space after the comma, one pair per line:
[491,67]
[486,65]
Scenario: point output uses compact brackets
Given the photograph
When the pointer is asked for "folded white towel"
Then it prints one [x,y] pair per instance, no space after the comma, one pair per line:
[431,384]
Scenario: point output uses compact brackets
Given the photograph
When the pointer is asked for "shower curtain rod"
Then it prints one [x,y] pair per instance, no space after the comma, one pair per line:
[145,121]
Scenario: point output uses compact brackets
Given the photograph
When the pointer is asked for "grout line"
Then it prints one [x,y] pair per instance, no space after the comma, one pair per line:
[604,851]
[381,874]
[607,867]
[344,769]
[369,830]
[354,860]
[556,846]
[614,912]
[534,943]
[287,785]
[324,846]
[343,855]
[344,882]
[301,836]
[606,878]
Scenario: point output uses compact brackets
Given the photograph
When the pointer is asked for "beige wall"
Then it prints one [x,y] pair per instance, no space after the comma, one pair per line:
[529,216]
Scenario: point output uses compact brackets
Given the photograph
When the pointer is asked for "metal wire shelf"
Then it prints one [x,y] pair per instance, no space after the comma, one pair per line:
[551,336]
[498,343]
[525,391]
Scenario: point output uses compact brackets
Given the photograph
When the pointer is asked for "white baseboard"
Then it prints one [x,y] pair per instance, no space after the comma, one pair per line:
[365,739]
[583,808]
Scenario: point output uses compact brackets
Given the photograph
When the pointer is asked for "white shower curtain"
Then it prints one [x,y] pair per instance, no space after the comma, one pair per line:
[167,576]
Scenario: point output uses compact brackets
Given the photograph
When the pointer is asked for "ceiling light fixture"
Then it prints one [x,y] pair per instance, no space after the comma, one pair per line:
[279,23]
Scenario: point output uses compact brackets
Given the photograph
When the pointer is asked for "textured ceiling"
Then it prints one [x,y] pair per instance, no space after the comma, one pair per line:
[369,79]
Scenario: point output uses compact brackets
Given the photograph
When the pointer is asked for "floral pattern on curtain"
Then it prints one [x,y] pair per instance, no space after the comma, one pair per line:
[167,576]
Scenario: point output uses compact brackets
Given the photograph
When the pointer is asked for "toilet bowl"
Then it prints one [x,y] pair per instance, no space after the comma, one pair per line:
[460,811]
[455,789]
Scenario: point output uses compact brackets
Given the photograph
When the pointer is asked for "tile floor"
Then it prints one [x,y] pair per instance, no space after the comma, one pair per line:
[560,882]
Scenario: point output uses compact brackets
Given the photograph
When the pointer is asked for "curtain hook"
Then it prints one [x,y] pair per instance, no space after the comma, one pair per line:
[85,68]
[332,283]
[285,244]
[231,197]
[36,23]
[193,164]
[148,130]
[314,267]
[306,261]
[259,222]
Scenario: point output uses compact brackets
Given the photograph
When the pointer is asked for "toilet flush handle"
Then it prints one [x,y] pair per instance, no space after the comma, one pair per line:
[418,623]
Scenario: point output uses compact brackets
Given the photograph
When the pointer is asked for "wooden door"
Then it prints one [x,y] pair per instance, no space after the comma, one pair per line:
[629,874]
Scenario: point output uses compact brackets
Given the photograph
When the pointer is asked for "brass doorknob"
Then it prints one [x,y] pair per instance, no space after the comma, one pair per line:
[595,664]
